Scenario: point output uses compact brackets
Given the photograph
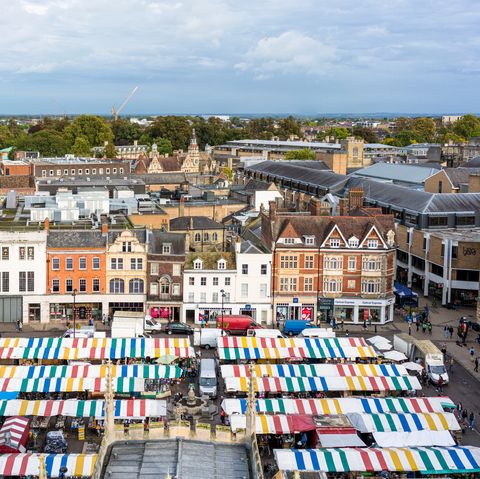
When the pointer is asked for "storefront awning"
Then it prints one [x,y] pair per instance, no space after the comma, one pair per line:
[275,424]
[147,371]
[124,409]
[14,434]
[79,465]
[293,385]
[314,370]
[317,407]
[403,291]
[440,421]
[413,439]
[339,437]
[93,348]
[434,460]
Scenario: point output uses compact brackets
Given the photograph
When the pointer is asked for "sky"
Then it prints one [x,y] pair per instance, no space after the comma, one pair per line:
[240,56]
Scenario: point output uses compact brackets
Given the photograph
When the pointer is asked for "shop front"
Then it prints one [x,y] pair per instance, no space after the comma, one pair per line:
[295,310]
[168,312]
[358,310]
[325,310]
[83,311]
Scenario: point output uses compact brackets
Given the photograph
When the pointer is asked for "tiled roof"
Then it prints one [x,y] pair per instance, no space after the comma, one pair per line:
[210,259]
[157,238]
[76,239]
[184,223]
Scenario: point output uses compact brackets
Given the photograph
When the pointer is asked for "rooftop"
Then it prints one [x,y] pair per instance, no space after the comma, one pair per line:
[284,144]
[397,172]
[184,223]
[76,239]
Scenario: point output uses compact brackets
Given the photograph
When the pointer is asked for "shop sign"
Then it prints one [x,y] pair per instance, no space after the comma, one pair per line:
[325,303]
[248,306]
[307,314]
[295,300]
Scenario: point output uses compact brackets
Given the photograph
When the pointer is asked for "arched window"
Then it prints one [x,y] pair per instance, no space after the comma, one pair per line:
[198,237]
[117,285]
[214,236]
[206,237]
[135,286]
[164,285]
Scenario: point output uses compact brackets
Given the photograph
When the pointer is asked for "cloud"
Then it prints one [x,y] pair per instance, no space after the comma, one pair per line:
[34,8]
[289,52]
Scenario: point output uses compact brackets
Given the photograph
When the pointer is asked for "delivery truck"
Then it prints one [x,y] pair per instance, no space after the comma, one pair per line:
[132,324]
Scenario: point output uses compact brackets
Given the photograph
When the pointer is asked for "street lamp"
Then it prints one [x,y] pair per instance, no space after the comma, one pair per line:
[74,294]
[223,294]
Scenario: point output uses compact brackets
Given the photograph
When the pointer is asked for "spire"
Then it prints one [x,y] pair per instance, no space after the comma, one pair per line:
[193,140]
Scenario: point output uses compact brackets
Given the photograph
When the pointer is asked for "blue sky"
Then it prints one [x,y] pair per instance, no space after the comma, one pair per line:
[273,56]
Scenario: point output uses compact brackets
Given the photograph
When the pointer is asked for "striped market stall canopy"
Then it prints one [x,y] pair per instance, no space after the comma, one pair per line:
[124,409]
[439,421]
[147,371]
[79,465]
[120,385]
[13,434]
[93,348]
[317,407]
[246,348]
[313,370]
[309,384]
[427,460]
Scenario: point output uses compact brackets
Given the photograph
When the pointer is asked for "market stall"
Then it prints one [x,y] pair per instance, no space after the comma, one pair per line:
[14,435]
[323,384]
[431,460]
[124,409]
[318,407]
[80,465]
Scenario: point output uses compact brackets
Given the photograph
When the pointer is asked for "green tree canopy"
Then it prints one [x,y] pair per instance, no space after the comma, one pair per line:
[176,128]
[164,146]
[125,132]
[467,127]
[305,154]
[366,134]
[46,142]
[6,137]
[81,147]
[94,129]
[110,151]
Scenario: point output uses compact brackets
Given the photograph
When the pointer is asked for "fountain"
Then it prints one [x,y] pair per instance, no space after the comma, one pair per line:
[192,405]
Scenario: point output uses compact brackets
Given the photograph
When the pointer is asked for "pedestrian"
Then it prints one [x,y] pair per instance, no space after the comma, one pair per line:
[20,325]
[278,320]
[450,365]
[424,327]
[364,324]
[450,330]
[222,416]
[472,354]
[409,329]
[341,324]
[417,324]
[476,365]
[464,415]
[202,324]
[444,349]
[471,420]
[445,331]
[346,333]
[440,385]
[17,325]
[429,327]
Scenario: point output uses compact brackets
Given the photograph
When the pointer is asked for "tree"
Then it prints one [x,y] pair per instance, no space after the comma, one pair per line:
[125,132]
[288,127]
[110,151]
[338,132]
[6,137]
[164,146]
[424,129]
[177,129]
[366,134]
[468,126]
[305,154]
[94,129]
[81,147]
[46,142]
[228,173]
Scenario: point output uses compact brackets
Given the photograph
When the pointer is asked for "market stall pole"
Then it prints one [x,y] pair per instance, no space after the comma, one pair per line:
[74,294]
[42,468]
[251,436]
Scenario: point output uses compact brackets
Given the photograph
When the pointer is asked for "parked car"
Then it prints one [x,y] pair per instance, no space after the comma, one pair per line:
[293,327]
[178,328]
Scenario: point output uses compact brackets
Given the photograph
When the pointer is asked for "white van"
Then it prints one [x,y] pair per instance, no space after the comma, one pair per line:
[207,337]
[265,333]
[317,333]
[208,378]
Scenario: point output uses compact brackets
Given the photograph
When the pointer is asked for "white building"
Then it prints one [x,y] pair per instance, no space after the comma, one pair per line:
[241,278]
[22,275]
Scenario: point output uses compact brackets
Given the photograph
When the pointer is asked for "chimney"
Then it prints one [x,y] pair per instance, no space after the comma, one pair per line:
[355,198]
[181,207]
[272,209]
[315,207]
[238,244]
[104,228]
[46,224]
[135,142]
[191,223]
[343,207]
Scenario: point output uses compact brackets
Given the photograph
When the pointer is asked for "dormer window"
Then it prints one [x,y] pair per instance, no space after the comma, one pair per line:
[221,264]
[334,243]
[353,242]
[166,248]
[289,241]
[372,244]
[309,240]
[198,264]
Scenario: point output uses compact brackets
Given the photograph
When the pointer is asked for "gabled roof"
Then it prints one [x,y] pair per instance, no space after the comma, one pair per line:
[459,176]
[184,223]
[76,239]
[157,238]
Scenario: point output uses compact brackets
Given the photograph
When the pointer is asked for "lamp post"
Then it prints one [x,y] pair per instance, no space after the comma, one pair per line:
[222,293]
[74,294]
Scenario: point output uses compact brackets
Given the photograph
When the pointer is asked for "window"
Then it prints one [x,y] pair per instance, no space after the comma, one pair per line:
[352,263]
[59,172]
[197,238]
[5,281]
[166,248]
[351,284]
[65,172]
[136,264]
[31,253]
[191,281]
[334,243]
[308,284]
[371,286]
[69,285]
[214,297]
[55,286]
[95,263]
[135,286]
[454,251]
[288,262]
[82,263]
[117,285]
[215,281]
[332,262]
[44,173]
[55,264]
[176,289]
[177,269]
[442,251]
[116,263]
[227,298]
[127,247]
[72,172]
[467,275]
[203,281]
[227,281]
[121,171]
[221,264]
[22,252]
[22,281]
[440,185]
[372,264]
[289,240]
[244,290]
[5,253]
[69,263]
[164,286]
[197,264]
[50,172]
[154,288]
[87,171]
[191,297]
[244,268]
[288,283]
[263,290]
[214,236]
[203,297]
[353,242]
[206,237]
[437,221]
[424,243]
[100,171]
[154,268]
[82,285]
[94,171]
[31,281]
[80,171]
[114,171]
[372,244]
[309,240]
[332,285]
[308,262]
[107,171]
[95,285]
[263,269]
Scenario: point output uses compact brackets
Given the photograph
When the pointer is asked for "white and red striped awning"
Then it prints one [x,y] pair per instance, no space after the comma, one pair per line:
[12,431]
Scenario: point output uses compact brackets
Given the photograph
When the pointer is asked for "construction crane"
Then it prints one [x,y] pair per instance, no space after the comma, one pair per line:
[116,112]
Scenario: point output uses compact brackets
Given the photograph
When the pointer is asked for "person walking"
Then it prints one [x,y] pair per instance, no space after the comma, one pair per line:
[450,330]
[445,332]
[409,329]
[472,354]
[429,327]
[471,420]
[424,327]
[476,365]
